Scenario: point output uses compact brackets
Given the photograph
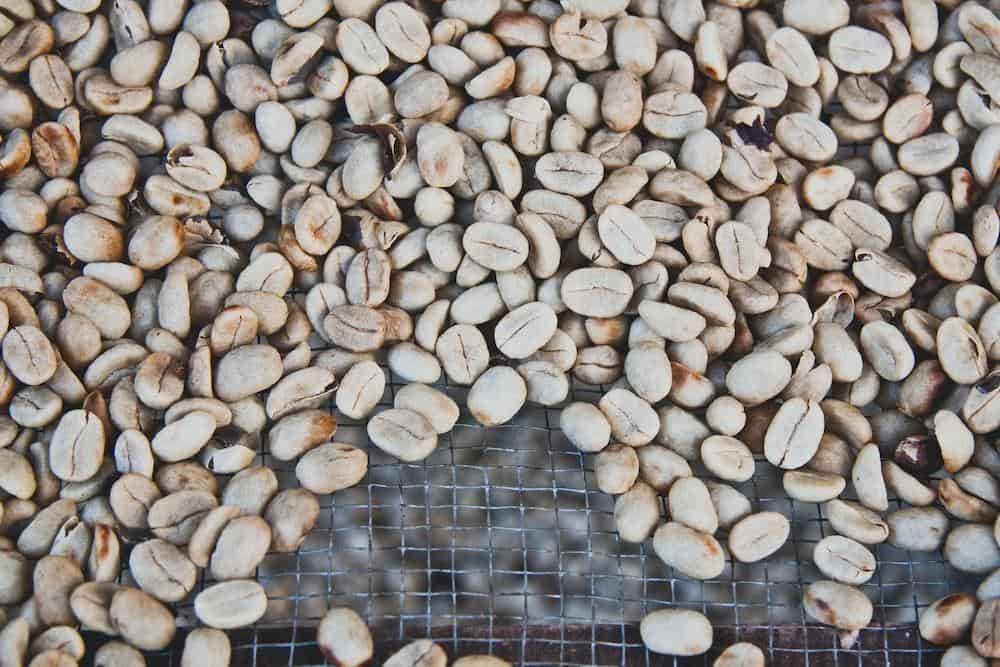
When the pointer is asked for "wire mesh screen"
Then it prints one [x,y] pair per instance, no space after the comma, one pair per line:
[501,543]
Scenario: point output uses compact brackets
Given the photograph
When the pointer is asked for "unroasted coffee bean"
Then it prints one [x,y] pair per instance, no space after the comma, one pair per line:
[405,434]
[794,434]
[855,521]
[616,468]
[360,390]
[344,638]
[844,560]
[141,620]
[240,548]
[231,604]
[742,654]
[967,548]
[496,396]
[680,632]
[436,406]
[331,467]
[633,421]
[162,570]
[727,458]
[175,517]
[983,625]
[206,646]
[838,605]
[758,536]
[947,620]
[585,426]
[691,552]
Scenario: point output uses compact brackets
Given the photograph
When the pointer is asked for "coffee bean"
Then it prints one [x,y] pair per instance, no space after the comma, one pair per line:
[676,632]
[231,604]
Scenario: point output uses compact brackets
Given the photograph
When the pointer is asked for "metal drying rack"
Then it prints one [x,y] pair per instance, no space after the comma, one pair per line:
[501,543]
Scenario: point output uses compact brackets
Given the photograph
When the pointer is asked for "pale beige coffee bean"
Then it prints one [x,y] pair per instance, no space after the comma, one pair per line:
[647,369]
[585,426]
[674,114]
[162,570]
[58,645]
[881,273]
[956,441]
[962,655]
[141,620]
[291,514]
[928,154]
[231,604]
[206,647]
[983,637]
[758,536]
[887,350]
[463,354]
[497,396]
[571,173]
[495,246]
[918,528]
[637,511]
[77,448]
[866,475]
[524,330]
[175,517]
[185,437]
[616,468]
[947,620]
[29,355]
[859,51]
[680,632]
[297,433]
[727,458]
[964,505]
[838,605]
[367,279]
[405,434]
[250,489]
[671,322]
[793,436]
[907,487]
[960,351]
[757,83]
[331,467]
[439,155]
[806,137]
[856,521]
[240,547]
[758,377]
[689,503]
[203,539]
[692,553]
[437,407]
[812,487]
[742,654]
[633,421]
[344,638]
[952,256]
[844,560]
[420,653]
[360,390]
[355,328]
[726,415]
[131,497]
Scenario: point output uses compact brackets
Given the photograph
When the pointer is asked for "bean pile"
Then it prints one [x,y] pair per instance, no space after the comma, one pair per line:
[217,217]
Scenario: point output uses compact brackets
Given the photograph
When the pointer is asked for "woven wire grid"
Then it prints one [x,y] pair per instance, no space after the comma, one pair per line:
[501,543]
